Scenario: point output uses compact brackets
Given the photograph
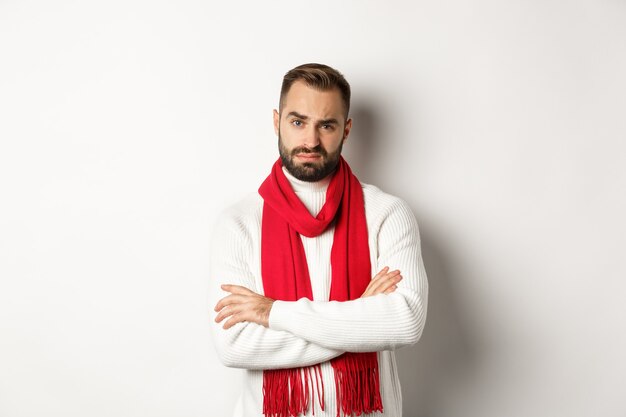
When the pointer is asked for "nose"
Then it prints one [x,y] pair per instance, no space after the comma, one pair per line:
[312,138]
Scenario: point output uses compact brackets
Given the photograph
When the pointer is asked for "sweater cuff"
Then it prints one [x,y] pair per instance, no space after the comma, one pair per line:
[279,315]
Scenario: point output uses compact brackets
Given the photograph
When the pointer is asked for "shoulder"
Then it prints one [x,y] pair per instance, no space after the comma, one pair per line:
[241,217]
[380,203]
[387,211]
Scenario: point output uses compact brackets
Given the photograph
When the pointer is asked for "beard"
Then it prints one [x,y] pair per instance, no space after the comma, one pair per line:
[309,171]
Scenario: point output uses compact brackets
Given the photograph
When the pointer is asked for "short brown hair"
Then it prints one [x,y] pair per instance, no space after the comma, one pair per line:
[319,76]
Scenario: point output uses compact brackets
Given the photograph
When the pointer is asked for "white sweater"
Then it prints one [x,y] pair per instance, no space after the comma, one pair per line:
[305,332]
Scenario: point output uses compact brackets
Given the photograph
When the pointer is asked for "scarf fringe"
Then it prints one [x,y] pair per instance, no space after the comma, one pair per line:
[357,384]
[288,392]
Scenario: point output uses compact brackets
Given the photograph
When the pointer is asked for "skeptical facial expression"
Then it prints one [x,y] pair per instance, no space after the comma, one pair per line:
[311,129]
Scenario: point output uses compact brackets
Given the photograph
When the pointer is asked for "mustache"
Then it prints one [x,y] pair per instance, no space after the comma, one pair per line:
[318,149]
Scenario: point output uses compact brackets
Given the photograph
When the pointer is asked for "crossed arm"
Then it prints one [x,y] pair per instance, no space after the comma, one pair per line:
[244,305]
[254,332]
[252,345]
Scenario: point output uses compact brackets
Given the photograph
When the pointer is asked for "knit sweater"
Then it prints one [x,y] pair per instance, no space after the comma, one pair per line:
[305,332]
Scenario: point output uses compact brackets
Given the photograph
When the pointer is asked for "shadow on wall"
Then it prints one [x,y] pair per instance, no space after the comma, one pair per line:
[362,148]
[445,356]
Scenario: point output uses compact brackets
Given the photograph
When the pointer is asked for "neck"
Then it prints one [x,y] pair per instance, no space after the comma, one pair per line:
[312,194]
[300,186]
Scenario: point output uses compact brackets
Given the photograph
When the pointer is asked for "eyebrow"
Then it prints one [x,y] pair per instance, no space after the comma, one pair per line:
[298,115]
[329,122]
[303,117]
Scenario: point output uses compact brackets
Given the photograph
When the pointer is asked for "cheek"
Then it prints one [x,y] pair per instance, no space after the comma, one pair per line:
[298,138]
[332,142]
[288,139]
[289,134]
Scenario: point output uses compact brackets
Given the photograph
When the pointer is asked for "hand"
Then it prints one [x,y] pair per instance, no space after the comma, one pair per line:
[243,305]
[383,283]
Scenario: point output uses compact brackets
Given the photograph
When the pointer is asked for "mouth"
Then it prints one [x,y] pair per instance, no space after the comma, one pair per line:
[308,156]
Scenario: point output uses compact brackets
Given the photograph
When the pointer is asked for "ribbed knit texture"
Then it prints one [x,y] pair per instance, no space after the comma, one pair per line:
[307,332]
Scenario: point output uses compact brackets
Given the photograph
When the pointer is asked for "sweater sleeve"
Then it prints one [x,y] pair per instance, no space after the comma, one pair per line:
[249,345]
[376,323]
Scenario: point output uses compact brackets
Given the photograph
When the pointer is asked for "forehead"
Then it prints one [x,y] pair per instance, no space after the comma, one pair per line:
[312,102]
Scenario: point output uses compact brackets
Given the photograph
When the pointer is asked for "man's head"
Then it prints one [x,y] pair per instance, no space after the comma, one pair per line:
[312,122]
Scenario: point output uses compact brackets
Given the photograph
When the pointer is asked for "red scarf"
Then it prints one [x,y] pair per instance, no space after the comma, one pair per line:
[287,392]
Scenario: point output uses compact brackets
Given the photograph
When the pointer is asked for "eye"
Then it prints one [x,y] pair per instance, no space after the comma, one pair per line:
[296,122]
[327,126]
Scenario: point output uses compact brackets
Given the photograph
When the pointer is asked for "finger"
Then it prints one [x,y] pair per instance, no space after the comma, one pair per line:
[388,283]
[389,274]
[390,289]
[234,319]
[383,281]
[227,312]
[236,289]
[375,279]
[228,300]
[381,273]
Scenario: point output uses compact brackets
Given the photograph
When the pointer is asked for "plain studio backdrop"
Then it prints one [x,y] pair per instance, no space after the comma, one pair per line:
[127,126]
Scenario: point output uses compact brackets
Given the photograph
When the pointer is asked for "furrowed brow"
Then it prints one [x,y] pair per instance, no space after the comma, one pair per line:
[298,115]
[329,122]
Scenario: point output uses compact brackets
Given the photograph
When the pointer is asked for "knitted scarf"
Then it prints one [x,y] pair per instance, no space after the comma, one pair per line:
[287,392]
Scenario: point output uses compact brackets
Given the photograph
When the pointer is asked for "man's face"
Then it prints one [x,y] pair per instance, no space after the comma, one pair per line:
[311,129]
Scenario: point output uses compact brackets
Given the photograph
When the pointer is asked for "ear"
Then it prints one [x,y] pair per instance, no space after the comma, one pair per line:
[276,121]
[346,129]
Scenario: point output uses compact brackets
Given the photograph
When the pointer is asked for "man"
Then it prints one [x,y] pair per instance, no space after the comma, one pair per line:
[299,302]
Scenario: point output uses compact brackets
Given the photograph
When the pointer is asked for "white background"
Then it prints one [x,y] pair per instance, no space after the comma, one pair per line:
[126,126]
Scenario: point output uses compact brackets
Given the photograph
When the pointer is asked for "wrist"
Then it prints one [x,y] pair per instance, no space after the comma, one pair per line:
[268,311]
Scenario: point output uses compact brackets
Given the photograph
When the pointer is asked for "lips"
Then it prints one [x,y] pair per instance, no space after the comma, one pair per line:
[308,156]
